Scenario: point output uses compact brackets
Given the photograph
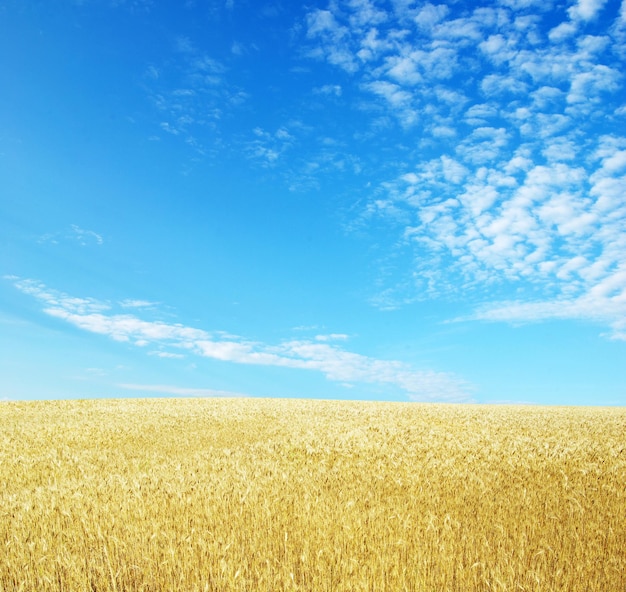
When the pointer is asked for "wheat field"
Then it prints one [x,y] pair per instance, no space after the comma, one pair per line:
[281,495]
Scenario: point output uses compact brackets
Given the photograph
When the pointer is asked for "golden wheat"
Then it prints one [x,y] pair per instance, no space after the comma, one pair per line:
[271,495]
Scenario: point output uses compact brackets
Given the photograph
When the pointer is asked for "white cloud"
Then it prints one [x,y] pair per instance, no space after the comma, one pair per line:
[562,32]
[586,9]
[371,46]
[332,337]
[178,391]
[480,114]
[483,145]
[556,226]
[497,84]
[393,93]
[405,59]
[461,31]
[400,100]
[323,21]
[267,148]
[57,299]
[496,48]
[321,24]
[329,89]
[404,69]
[129,303]
[522,4]
[430,14]
[605,303]
[587,86]
[528,187]
[366,14]
[334,362]
[162,354]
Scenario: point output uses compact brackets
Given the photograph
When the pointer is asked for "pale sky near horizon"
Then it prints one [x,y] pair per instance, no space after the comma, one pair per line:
[360,199]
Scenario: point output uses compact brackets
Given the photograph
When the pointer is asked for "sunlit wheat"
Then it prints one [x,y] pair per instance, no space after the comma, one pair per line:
[277,495]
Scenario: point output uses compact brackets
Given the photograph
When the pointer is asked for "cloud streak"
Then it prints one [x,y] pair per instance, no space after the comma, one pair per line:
[178,391]
[173,339]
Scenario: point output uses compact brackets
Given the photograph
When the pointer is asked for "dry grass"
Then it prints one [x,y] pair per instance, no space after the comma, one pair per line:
[271,495]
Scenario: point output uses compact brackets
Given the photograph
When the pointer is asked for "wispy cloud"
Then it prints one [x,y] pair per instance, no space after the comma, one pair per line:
[130,303]
[178,391]
[191,93]
[298,154]
[602,304]
[320,354]
[75,234]
[166,354]
[332,337]
[329,89]
[519,173]
[86,236]
[131,5]
[268,147]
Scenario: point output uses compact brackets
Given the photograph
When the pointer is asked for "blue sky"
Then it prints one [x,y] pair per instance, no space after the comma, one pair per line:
[360,199]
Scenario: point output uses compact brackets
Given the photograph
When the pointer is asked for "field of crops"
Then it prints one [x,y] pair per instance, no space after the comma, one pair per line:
[273,495]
